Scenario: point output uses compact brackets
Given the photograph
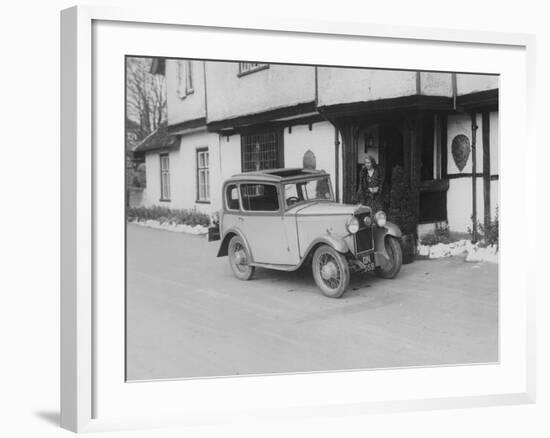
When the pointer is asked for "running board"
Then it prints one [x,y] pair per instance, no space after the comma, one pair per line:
[276,267]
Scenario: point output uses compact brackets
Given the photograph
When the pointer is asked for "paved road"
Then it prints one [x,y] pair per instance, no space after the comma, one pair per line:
[188,315]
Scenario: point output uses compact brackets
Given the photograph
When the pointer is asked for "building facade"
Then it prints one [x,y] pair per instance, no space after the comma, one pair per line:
[231,117]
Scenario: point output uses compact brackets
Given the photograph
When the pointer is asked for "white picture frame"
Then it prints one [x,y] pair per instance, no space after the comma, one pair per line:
[81,370]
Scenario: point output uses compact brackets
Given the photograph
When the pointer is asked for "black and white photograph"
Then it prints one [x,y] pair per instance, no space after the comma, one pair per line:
[288,218]
[276,219]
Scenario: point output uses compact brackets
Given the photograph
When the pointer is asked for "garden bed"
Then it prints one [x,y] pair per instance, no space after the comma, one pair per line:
[472,252]
[163,218]
[444,243]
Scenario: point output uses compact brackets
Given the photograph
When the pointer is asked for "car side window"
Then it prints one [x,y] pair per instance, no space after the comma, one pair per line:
[232,197]
[259,197]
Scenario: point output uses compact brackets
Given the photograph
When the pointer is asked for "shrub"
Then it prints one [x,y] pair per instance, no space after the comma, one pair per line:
[138,176]
[165,214]
[135,175]
[441,234]
[487,235]
[490,233]
[402,209]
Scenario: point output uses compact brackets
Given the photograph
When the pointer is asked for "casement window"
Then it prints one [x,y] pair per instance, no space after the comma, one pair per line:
[262,151]
[164,177]
[184,78]
[203,175]
[251,67]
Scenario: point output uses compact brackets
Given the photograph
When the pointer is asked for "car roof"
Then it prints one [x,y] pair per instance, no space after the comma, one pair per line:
[278,175]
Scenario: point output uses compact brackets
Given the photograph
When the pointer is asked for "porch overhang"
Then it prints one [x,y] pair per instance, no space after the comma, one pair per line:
[188,125]
[160,139]
[385,106]
[481,100]
[281,116]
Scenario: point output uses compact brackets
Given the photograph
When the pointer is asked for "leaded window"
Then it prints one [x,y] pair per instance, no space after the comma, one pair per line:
[262,151]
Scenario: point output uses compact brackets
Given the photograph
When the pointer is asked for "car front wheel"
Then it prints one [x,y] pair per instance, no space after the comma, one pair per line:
[239,259]
[391,267]
[330,271]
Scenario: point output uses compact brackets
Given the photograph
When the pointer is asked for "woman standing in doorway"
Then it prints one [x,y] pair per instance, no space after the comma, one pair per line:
[370,185]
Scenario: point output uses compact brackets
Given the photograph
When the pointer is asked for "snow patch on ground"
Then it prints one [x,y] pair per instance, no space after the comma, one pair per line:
[488,254]
[473,252]
[172,226]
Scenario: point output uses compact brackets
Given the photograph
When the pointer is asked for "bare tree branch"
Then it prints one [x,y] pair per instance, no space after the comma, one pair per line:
[145,96]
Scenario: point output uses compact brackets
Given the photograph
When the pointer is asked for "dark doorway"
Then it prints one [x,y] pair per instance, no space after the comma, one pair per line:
[388,139]
[391,152]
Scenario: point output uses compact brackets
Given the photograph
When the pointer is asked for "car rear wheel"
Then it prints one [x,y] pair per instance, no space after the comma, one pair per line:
[392,266]
[330,271]
[239,259]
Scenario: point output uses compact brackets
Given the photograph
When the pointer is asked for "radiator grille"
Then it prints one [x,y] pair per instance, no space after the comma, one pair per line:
[364,237]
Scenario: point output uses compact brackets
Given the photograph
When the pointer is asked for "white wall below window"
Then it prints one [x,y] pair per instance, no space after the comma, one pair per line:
[320,141]
[230,155]
[460,203]
[151,193]
[459,196]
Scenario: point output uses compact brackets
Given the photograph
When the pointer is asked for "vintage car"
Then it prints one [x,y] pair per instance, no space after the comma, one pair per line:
[283,218]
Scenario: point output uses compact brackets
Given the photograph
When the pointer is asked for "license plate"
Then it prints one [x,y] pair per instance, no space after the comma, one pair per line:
[369,264]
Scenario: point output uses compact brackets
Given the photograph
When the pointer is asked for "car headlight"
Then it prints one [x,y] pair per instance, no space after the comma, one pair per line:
[352,225]
[380,218]
[367,221]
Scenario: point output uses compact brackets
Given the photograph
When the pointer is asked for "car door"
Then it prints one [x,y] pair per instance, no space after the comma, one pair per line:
[232,217]
[261,221]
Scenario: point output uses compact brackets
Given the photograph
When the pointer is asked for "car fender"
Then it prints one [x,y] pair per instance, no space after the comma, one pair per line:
[380,233]
[336,242]
[227,236]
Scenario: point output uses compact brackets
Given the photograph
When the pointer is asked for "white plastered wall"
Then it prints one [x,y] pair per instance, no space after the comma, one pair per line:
[460,195]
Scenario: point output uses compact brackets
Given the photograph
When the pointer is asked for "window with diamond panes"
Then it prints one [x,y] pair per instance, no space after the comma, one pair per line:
[262,151]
